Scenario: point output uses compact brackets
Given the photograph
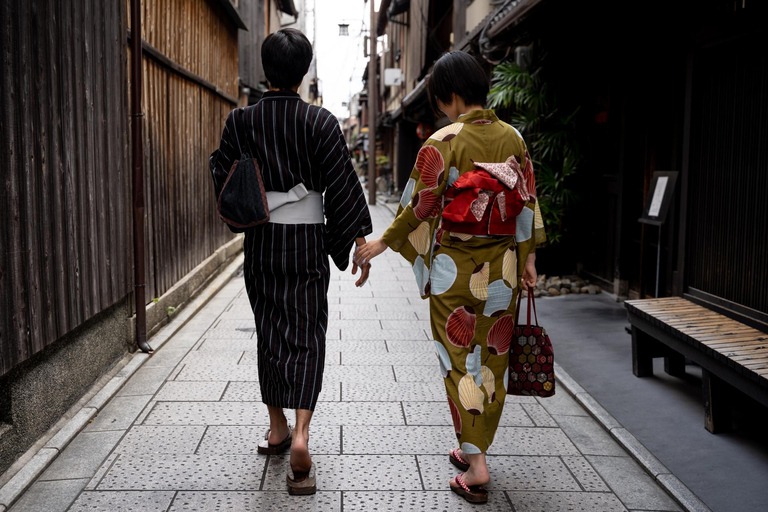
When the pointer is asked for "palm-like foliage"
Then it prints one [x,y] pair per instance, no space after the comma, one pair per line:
[549,133]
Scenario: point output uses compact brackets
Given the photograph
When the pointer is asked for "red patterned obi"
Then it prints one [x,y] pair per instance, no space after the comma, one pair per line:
[486,201]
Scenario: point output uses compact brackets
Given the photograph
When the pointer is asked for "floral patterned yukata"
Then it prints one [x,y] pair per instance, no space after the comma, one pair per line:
[471,280]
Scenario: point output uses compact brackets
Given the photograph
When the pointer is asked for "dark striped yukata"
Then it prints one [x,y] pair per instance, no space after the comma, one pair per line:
[286,265]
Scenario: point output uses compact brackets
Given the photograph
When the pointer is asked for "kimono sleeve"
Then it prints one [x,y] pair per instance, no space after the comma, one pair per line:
[412,232]
[346,211]
[221,159]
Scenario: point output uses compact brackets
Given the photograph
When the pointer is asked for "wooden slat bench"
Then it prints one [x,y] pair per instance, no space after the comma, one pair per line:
[729,352]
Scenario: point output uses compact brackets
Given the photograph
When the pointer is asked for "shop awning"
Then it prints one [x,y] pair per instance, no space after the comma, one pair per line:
[509,14]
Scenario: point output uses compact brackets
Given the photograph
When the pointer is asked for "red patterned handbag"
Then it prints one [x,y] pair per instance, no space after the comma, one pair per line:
[531,358]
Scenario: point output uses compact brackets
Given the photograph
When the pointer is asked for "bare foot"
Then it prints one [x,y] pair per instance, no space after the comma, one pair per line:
[301,461]
[476,477]
[279,432]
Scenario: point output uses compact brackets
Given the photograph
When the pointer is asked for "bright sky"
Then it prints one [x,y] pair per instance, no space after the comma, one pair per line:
[340,60]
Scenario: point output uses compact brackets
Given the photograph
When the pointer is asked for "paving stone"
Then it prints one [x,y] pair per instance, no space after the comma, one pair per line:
[372,314]
[533,473]
[230,334]
[119,414]
[251,392]
[589,436]
[639,452]
[406,325]
[598,411]
[411,346]
[419,373]
[389,359]
[565,502]
[384,334]
[355,310]
[16,485]
[358,373]
[244,440]
[123,501]
[147,440]
[634,487]
[54,496]
[358,413]
[211,358]
[247,324]
[438,413]
[71,429]
[690,501]
[208,413]
[83,456]
[166,356]
[277,501]
[145,381]
[369,346]
[351,293]
[419,501]
[394,392]
[180,471]
[224,344]
[352,472]
[355,323]
[562,404]
[174,391]
[383,303]
[539,415]
[218,373]
[531,441]
[585,473]
[399,440]
[143,414]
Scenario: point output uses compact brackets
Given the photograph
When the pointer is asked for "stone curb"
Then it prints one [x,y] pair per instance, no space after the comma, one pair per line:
[653,466]
[22,480]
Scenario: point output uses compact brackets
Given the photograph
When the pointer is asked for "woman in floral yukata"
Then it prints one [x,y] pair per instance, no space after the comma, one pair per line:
[469,223]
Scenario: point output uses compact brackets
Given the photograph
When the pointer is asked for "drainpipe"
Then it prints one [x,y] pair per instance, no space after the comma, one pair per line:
[137,157]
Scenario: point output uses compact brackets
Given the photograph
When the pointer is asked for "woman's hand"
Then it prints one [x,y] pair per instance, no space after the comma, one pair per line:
[529,274]
[367,252]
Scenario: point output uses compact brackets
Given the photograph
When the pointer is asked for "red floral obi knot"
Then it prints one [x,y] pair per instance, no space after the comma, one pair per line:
[485,201]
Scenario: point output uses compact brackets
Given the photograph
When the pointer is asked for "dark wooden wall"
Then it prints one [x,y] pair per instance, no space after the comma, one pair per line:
[65,244]
[65,200]
[190,85]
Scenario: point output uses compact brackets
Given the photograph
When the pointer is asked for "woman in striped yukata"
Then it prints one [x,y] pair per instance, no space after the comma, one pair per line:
[306,168]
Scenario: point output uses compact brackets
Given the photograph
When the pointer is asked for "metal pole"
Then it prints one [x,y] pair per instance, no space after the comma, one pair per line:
[373,93]
[137,158]
[658,262]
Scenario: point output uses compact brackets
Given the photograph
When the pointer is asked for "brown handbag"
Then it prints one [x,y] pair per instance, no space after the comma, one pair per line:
[531,357]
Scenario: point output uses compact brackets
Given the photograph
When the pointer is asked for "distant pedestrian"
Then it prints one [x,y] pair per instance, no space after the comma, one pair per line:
[302,154]
[469,222]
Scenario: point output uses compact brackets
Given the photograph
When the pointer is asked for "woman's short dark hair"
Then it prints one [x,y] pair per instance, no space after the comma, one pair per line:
[461,74]
[286,56]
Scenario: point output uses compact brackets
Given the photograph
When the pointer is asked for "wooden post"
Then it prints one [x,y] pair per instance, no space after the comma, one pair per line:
[717,416]
[373,94]
[642,353]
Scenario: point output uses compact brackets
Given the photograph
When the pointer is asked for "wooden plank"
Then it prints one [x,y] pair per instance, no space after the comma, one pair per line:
[41,70]
[29,186]
[10,299]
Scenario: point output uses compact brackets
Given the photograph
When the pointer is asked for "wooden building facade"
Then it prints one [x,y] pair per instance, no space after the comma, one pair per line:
[66,243]
[673,88]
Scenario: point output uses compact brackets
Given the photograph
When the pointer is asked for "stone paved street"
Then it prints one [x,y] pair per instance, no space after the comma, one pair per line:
[182,434]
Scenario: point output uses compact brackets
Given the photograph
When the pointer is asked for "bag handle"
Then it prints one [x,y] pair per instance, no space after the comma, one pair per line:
[240,129]
[531,305]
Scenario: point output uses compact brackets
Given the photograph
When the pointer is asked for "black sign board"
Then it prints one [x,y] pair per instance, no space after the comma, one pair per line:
[659,197]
